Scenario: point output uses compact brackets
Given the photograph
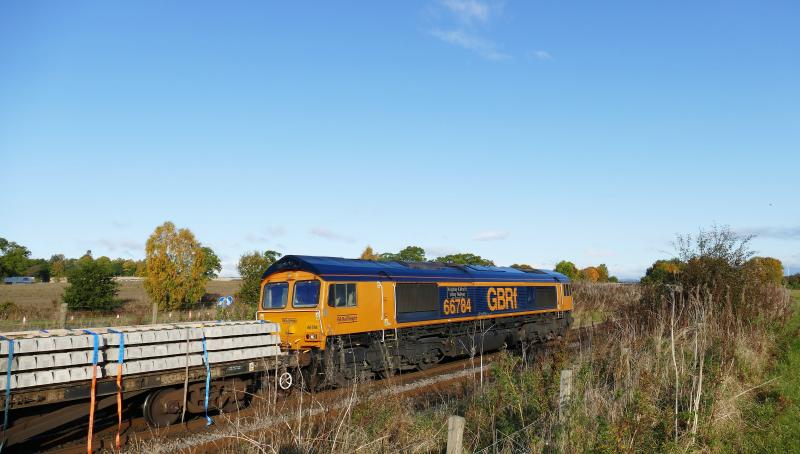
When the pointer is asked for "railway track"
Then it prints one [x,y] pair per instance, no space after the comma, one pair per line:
[268,409]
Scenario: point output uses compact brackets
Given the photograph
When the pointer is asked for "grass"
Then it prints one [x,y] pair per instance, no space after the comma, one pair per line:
[696,380]
[774,425]
[38,304]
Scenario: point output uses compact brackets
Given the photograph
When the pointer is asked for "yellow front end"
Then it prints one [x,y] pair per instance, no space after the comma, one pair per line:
[291,299]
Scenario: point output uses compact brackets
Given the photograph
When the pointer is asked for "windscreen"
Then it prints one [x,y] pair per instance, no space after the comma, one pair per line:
[275,295]
[306,294]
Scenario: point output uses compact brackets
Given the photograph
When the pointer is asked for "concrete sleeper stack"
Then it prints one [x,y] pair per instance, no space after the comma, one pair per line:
[61,356]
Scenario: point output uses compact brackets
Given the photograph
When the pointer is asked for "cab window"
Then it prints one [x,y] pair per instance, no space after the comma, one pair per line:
[342,295]
[306,294]
[275,295]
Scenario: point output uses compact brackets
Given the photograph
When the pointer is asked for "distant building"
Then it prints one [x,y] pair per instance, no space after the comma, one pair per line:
[19,280]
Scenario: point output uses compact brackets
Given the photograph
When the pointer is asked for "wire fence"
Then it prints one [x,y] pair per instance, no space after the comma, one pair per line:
[46,320]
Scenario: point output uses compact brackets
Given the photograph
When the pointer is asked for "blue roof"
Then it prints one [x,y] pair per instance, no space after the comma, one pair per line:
[340,269]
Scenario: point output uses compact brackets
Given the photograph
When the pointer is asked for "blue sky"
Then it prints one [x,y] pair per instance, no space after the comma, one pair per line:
[521,131]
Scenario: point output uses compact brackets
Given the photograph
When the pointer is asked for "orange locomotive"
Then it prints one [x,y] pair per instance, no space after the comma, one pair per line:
[359,318]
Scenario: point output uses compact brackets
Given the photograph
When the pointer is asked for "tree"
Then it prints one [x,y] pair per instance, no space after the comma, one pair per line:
[368,254]
[117,267]
[567,269]
[91,287]
[663,272]
[465,259]
[141,268]
[58,266]
[792,281]
[129,267]
[251,267]
[523,267]
[715,259]
[602,270]
[718,243]
[38,268]
[590,274]
[87,257]
[13,258]
[613,279]
[105,262]
[766,270]
[212,264]
[408,254]
[175,265]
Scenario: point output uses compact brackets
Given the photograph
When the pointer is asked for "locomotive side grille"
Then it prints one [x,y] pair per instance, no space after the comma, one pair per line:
[417,298]
[546,298]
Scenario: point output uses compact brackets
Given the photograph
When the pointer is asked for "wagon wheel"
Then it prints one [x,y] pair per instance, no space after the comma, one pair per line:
[235,396]
[162,407]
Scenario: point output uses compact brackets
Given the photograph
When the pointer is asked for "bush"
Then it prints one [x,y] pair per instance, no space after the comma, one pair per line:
[663,272]
[8,310]
[91,287]
[792,281]
[766,270]
[717,262]
[567,269]
[591,274]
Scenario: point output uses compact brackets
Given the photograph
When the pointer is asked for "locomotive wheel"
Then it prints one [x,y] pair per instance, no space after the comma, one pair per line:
[163,407]
[430,359]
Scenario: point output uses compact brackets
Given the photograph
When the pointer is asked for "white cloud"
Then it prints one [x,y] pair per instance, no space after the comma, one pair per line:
[467,40]
[271,233]
[432,252]
[541,55]
[331,235]
[468,10]
[462,22]
[491,235]
[125,245]
[778,233]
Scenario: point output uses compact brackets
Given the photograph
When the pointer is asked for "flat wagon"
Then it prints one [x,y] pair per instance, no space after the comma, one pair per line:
[59,380]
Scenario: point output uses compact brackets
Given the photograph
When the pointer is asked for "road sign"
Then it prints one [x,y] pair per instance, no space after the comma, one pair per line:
[228,300]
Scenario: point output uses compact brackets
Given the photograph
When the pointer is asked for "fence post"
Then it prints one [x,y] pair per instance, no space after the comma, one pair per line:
[455,434]
[155,313]
[564,392]
[62,316]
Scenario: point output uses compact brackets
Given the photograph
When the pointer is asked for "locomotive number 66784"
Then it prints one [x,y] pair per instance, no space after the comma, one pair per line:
[359,318]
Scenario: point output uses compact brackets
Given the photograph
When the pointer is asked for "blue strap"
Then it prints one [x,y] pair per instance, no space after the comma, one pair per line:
[96,349]
[121,355]
[208,379]
[9,364]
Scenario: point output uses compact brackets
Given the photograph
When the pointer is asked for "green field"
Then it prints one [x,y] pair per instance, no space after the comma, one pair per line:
[781,412]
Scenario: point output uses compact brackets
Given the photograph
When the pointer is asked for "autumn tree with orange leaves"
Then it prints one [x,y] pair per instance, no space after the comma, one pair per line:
[175,274]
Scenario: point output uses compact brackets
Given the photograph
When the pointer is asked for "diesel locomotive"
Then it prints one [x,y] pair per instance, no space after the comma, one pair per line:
[357,319]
